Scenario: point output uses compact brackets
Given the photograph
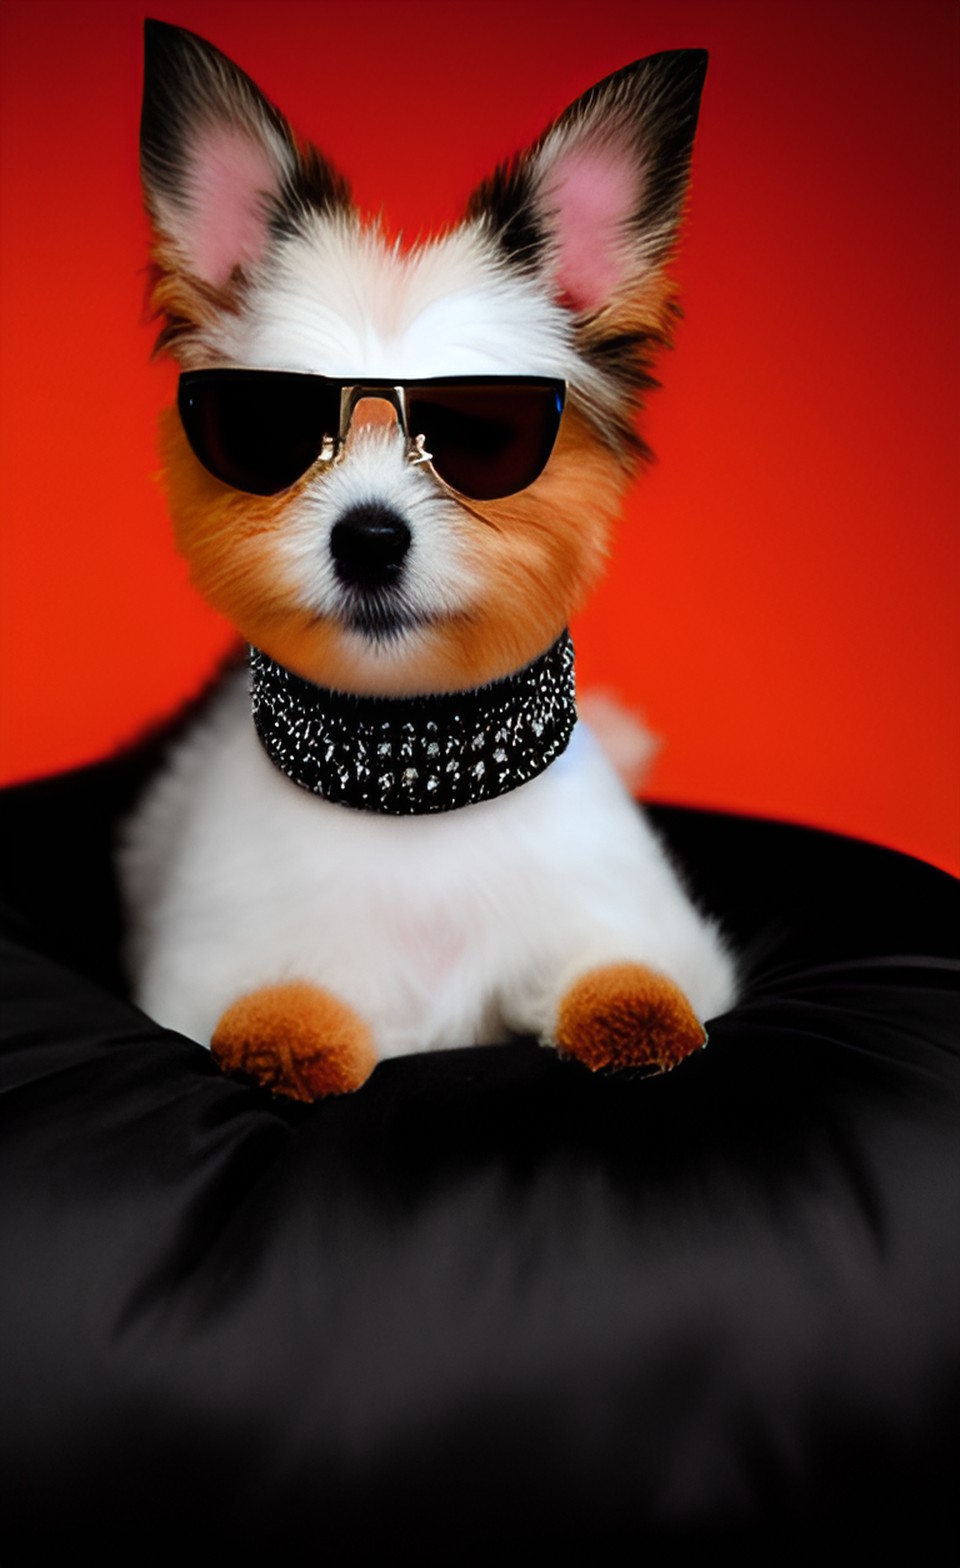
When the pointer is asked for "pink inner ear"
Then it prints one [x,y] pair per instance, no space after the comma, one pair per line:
[230,178]
[588,195]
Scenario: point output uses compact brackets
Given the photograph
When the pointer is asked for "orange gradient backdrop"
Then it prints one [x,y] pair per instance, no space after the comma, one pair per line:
[782,601]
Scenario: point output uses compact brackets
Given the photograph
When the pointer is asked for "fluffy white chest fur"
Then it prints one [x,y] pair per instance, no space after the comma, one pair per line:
[458,928]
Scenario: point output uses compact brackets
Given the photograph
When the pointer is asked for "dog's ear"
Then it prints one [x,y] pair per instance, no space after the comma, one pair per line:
[595,203]
[222,173]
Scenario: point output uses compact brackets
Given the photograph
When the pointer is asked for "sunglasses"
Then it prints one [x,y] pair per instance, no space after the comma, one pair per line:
[261,431]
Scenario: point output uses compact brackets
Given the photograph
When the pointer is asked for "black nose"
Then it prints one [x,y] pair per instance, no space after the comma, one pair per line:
[368,545]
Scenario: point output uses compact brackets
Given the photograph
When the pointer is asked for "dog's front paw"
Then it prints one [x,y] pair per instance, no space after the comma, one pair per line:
[626,1015]
[295,1039]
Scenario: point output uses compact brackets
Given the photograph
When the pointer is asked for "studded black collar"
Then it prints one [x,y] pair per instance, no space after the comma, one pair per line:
[410,755]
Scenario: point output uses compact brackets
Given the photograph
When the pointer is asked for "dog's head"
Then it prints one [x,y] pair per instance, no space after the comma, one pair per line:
[405,537]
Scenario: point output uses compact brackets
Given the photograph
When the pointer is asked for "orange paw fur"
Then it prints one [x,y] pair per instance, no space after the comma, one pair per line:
[295,1039]
[626,1015]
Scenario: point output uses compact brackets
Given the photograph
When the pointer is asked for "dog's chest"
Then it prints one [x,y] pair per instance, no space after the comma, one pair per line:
[234,876]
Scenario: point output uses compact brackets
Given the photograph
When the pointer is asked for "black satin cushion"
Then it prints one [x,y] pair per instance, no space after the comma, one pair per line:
[490,1301]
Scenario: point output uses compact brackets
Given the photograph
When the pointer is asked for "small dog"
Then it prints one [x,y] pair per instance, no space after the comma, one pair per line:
[396,472]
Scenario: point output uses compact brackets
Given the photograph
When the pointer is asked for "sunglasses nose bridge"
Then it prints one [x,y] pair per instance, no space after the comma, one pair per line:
[374,408]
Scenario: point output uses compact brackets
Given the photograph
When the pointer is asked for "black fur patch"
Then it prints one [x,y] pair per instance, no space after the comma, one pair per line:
[316,186]
[505,200]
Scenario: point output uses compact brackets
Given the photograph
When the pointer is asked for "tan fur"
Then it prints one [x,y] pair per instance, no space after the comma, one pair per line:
[648,309]
[636,323]
[184,302]
[536,554]
[626,1015]
[295,1039]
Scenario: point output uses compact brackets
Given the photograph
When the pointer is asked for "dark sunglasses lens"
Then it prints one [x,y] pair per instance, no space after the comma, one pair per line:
[488,440]
[257,430]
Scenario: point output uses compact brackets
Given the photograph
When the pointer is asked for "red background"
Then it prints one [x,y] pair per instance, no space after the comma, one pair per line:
[782,603]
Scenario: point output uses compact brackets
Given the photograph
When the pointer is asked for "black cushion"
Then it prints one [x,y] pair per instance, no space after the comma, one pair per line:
[490,1300]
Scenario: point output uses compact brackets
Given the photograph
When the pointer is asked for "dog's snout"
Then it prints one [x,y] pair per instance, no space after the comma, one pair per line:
[368,545]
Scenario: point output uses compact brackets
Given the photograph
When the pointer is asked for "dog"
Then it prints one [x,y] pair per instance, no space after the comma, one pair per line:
[396,472]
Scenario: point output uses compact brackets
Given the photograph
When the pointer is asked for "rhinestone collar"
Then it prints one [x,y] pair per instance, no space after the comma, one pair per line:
[410,755]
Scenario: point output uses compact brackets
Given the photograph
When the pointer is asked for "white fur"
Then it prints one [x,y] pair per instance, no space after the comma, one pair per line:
[443,930]
[339,300]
